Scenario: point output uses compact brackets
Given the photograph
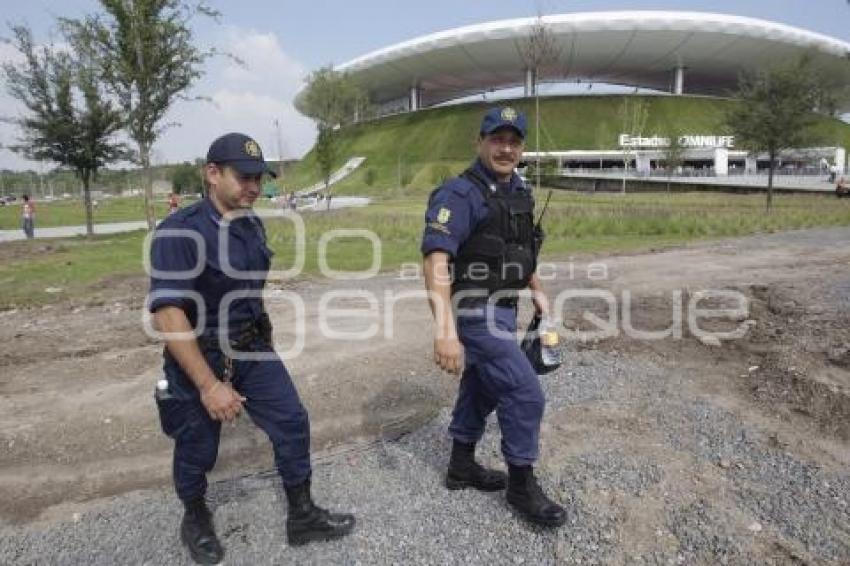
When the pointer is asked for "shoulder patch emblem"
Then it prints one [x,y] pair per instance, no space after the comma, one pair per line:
[444,215]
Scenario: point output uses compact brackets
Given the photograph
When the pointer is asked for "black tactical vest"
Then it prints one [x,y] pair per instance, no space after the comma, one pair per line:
[501,253]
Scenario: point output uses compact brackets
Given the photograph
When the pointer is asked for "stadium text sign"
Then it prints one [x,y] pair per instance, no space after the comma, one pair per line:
[627,140]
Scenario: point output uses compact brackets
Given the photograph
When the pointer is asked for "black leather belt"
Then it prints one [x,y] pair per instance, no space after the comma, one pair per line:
[242,337]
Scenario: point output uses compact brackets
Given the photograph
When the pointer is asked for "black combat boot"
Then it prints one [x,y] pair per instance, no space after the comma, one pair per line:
[525,495]
[198,534]
[306,522]
[465,472]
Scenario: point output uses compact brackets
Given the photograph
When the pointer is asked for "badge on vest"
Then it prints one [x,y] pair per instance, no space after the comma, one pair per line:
[444,215]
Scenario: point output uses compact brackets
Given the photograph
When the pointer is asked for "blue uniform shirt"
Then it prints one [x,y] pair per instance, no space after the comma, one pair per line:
[246,250]
[456,208]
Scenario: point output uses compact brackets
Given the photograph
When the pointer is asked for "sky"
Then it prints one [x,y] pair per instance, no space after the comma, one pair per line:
[281,41]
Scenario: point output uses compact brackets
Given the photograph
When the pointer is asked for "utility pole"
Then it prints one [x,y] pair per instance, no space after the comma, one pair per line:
[279,150]
[2,183]
[41,178]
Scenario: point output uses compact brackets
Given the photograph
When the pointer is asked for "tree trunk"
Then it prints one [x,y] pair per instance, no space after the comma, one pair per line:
[769,203]
[327,193]
[86,178]
[150,213]
[537,131]
[625,173]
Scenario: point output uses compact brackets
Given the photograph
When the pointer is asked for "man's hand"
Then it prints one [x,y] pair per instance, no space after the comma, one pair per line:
[541,304]
[222,402]
[538,297]
[219,399]
[448,354]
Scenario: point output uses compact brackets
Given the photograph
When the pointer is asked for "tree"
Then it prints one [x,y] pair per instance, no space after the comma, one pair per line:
[538,51]
[334,101]
[634,114]
[69,120]
[776,110]
[673,153]
[147,60]
[325,155]
[185,179]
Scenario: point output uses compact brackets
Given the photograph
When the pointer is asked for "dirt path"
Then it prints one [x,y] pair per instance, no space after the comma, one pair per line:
[77,420]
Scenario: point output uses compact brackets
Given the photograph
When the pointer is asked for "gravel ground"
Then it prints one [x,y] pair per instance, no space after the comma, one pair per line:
[668,478]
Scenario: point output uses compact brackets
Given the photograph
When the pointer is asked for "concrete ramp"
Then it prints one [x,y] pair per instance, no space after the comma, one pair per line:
[337,176]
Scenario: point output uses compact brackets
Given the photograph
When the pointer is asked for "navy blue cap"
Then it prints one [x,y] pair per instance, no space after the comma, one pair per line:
[503,117]
[240,152]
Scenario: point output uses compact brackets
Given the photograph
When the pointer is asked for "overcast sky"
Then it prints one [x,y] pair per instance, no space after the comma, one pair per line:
[281,41]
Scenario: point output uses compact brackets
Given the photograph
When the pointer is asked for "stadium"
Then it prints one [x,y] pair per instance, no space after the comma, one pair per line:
[592,71]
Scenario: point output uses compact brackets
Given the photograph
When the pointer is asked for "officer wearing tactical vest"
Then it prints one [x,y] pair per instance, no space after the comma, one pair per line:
[480,247]
[209,264]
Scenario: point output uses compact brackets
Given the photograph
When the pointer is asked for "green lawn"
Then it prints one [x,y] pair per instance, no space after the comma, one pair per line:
[77,266]
[415,151]
[574,224]
[71,212]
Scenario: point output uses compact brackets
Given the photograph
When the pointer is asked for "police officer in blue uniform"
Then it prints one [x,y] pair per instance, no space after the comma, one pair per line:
[480,248]
[209,262]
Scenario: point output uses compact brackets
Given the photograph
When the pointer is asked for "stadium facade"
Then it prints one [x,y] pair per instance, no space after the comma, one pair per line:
[666,52]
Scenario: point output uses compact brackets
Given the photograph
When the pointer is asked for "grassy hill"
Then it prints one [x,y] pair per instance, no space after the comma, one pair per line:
[411,153]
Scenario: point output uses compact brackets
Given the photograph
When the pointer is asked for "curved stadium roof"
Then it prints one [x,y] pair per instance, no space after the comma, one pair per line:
[636,48]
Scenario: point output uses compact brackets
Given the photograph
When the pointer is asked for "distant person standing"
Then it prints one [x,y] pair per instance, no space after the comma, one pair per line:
[28,217]
[173,203]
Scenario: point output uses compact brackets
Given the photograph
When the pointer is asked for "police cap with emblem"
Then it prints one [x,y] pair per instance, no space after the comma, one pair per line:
[503,117]
[240,152]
